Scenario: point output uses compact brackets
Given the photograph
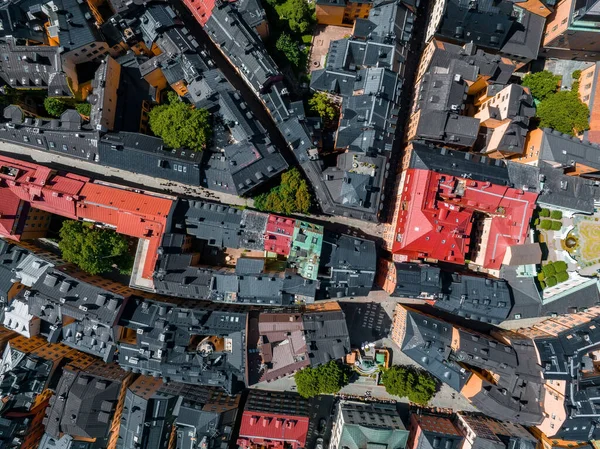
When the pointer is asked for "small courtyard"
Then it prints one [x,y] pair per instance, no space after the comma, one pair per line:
[322,37]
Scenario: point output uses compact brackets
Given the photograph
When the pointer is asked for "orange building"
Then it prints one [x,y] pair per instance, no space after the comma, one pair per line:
[342,12]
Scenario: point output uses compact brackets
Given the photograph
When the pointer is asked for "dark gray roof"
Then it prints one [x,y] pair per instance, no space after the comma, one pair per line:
[415,280]
[476,298]
[21,380]
[326,336]
[11,257]
[525,292]
[350,262]
[33,67]
[566,192]
[164,333]
[568,151]
[456,163]
[240,43]
[497,26]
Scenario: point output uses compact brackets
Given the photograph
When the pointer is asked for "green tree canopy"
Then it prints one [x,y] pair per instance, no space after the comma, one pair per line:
[180,125]
[84,108]
[325,107]
[92,249]
[541,84]
[325,379]
[418,386]
[290,196]
[286,45]
[54,106]
[298,13]
[564,112]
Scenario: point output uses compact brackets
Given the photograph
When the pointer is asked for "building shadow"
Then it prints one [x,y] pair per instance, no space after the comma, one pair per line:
[367,322]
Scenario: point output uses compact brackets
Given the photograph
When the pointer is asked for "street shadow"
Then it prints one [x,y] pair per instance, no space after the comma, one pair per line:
[368,322]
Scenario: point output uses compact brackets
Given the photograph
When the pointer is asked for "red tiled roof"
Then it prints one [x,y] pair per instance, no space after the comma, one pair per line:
[133,214]
[272,430]
[278,235]
[76,197]
[437,214]
[200,9]
[9,211]
[438,424]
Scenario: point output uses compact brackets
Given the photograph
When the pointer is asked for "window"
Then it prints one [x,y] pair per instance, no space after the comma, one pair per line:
[588,86]
[52,144]
[555,27]
[586,97]
[563,21]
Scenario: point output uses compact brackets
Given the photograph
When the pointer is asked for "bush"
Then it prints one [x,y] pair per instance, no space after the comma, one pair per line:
[543,285]
[541,277]
[551,281]
[289,49]
[290,196]
[325,379]
[544,213]
[546,224]
[94,250]
[418,386]
[548,270]
[562,276]
[560,266]
[84,109]
[556,214]
[576,74]
[556,225]
[180,125]
[54,106]
[541,84]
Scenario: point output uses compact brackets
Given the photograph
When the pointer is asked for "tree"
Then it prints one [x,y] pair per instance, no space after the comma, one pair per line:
[564,112]
[54,106]
[556,225]
[325,379]
[562,276]
[546,225]
[298,13]
[92,249]
[84,109]
[290,196]
[418,386]
[180,125]
[544,213]
[576,74]
[541,84]
[325,107]
[286,45]
[556,214]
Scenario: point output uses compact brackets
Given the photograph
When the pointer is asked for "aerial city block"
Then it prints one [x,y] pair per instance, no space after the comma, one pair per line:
[299,224]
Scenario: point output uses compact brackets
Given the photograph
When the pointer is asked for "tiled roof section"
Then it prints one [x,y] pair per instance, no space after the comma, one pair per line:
[241,45]
[476,298]
[163,336]
[278,235]
[147,415]
[564,191]
[500,27]
[272,430]
[351,262]
[11,256]
[326,336]
[437,424]
[57,294]
[441,230]
[416,280]
[569,151]
[83,405]
[370,424]
[33,67]
[22,377]
[494,67]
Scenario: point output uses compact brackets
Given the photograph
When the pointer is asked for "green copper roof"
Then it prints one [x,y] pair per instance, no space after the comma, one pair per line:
[355,436]
[305,254]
